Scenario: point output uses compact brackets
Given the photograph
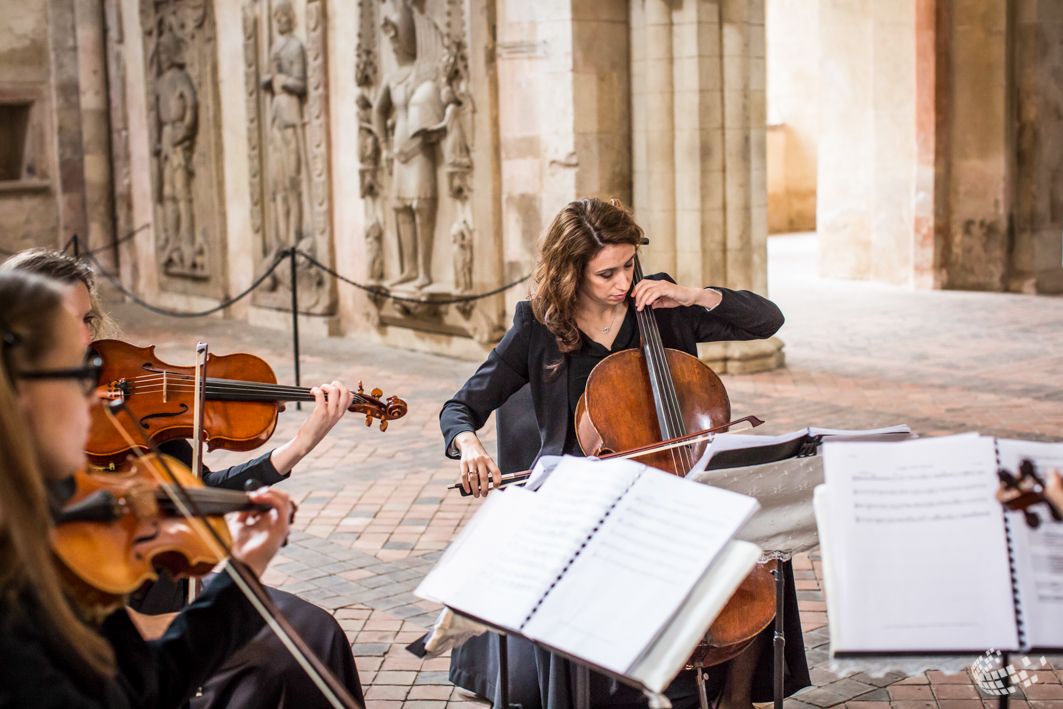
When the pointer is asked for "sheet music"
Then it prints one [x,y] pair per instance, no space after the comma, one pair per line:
[637,570]
[1038,552]
[741,441]
[501,575]
[920,553]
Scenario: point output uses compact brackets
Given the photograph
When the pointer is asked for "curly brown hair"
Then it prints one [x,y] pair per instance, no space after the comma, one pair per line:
[577,234]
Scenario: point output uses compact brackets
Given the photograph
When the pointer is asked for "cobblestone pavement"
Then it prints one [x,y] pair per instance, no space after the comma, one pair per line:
[375,514]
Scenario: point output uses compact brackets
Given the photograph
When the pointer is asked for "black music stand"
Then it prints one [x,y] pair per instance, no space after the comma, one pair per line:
[583,684]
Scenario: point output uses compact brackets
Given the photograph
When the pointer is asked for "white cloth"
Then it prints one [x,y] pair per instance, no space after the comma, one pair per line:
[785,524]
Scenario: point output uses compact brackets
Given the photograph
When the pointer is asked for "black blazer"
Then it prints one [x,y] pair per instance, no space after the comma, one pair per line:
[523,355]
[41,671]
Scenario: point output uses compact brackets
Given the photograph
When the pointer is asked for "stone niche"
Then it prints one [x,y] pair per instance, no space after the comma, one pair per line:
[286,80]
[184,129]
[427,163]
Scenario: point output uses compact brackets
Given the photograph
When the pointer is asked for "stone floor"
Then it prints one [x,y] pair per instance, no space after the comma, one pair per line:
[375,513]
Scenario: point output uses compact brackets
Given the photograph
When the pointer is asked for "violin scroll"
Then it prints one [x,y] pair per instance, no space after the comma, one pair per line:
[373,408]
[1020,493]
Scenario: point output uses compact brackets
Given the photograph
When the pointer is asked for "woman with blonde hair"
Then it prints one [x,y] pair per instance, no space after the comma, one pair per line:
[582,309]
[56,652]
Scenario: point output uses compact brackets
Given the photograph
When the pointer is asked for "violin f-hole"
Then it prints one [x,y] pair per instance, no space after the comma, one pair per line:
[172,414]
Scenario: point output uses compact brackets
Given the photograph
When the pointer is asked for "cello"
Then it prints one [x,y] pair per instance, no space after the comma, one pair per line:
[640,397]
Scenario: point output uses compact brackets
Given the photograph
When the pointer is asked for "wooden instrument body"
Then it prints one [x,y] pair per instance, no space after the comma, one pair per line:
[611,413]
[619,411]
[116,557]
[164,404]
[239,412]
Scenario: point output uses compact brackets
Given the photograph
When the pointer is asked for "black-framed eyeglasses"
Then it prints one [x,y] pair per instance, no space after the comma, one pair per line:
[87,375]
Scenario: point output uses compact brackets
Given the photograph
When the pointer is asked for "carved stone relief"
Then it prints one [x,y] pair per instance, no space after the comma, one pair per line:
[183,121]
[416,117]
[287,106]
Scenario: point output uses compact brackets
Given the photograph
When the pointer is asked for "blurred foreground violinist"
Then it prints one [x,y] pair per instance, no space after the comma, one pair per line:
[55,653]
[264,673]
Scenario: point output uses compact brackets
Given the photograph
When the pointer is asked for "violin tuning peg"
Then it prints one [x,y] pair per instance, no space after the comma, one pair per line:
[368,420]
[360,389]
[377,393]
[383,424]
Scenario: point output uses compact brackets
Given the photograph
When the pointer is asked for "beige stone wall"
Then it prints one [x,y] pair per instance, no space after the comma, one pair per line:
[867,140]
[29,214]
[793,66]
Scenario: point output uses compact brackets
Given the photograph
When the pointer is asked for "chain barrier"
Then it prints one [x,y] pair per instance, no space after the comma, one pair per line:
[178,314]
[385,294]
[291,253]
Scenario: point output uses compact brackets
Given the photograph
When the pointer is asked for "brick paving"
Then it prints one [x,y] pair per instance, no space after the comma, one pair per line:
[374,512]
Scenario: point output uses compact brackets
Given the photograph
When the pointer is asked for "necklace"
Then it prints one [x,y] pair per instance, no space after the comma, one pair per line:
[606,329]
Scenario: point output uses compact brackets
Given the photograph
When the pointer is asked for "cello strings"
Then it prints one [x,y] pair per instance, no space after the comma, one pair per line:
[648,327]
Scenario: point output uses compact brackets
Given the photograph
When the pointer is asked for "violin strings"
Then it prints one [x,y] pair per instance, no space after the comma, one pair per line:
[275,392]
[178,380]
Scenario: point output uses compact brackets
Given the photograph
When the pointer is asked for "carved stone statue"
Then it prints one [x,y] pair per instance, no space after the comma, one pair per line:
[456,155]
[374,251]
[410,98]
[177,113]
[368,148]
[286,81]
[461,237]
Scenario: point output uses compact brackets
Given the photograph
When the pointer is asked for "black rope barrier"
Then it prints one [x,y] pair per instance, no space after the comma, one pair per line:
[76,242]
[178,314]
[386,294]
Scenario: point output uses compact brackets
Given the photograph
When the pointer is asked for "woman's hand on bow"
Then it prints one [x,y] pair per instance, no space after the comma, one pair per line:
[477,468]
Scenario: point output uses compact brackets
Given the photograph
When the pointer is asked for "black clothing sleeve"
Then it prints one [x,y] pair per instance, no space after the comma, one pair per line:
[497,379]
[260,469]
[162,673]
[740,315]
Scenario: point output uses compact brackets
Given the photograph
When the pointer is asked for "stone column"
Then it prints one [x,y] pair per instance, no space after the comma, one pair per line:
[66,105]
[1037,98]
[699,154]
[95,129]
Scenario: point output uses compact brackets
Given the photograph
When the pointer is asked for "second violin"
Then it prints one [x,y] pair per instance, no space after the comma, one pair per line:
[242,395]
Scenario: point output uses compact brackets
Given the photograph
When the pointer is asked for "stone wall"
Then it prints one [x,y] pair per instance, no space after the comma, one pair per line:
[29,183]
[793,49]
[940,156]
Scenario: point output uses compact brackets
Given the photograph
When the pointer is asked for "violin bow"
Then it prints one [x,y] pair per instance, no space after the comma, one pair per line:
[687,440]
[198,413]
[245,579]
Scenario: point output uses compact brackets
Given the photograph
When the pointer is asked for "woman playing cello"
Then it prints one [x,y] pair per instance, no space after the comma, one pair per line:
[583,309]
[53,656]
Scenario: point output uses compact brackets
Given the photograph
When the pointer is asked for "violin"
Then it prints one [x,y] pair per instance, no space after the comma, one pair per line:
[1027,489]
[118,527]
[242,400]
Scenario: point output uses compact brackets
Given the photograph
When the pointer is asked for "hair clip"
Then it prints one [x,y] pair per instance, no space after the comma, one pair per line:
[10,338]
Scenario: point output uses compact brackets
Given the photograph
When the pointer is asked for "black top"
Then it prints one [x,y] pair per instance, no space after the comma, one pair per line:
[585,359]
[529,349]
[41,671]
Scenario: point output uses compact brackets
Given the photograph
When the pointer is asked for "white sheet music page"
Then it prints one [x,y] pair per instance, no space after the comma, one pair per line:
[637,570]
[516,545]
[1038,552]
[920,552]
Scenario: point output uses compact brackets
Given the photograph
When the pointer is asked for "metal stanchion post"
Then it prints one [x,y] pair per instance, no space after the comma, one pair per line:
[74,242]
[779,641]
[503,671]
[295,325]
